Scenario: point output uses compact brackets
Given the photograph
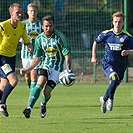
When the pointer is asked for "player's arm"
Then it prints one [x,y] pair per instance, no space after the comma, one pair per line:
[100,38]
[126,52]
[66,51]
[68,61]
[26,40]
[94,53]
[130,47]
[34,62]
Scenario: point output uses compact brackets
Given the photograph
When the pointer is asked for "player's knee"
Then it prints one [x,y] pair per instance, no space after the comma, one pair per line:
[13,79]
[49,87]
[14,82]
[115,78]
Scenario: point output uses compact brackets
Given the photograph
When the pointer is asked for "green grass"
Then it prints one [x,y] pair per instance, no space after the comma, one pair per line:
[70,110]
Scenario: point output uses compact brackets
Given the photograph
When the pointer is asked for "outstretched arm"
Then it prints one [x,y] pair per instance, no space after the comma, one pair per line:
[126,52]
[94,53]
[34,62]
[68,61]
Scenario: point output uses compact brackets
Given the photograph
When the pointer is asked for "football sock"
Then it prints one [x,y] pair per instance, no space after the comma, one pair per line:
[1,92]
[45,99]
[33,84]
[34,95]
[106,96]
[114,82]
[110,91]
[7,90]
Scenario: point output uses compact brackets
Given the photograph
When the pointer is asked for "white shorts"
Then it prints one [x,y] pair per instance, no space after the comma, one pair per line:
[53,75]
[26,63]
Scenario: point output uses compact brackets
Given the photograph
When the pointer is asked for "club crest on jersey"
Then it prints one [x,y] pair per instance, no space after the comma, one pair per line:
[33,34]
[111,70]
[51,51]
[121,39]
[44,43]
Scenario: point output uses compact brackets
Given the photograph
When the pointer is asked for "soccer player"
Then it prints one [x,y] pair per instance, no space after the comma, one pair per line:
[34,28]
[118,45]
[55,47]
[11,31]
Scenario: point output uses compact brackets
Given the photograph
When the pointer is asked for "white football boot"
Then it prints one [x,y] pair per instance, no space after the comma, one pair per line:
[110,104]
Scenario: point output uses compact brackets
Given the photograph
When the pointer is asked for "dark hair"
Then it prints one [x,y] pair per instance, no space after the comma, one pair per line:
[47,18]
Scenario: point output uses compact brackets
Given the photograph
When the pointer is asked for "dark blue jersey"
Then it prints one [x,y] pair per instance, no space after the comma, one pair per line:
[114,44]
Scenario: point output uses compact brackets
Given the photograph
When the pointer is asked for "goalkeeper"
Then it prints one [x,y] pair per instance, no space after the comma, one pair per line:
[55,47]
[118,45]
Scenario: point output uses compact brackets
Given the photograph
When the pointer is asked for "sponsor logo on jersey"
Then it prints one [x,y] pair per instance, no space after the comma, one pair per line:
[51,51]
[115,46]
[111,70]
[33,34]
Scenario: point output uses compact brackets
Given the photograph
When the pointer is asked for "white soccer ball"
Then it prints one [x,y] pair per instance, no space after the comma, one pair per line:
[67,78]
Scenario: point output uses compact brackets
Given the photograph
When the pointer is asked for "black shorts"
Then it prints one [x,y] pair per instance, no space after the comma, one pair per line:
[7,65]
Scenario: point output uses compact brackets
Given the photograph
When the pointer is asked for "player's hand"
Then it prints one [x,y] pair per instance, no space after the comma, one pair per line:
[23,71]
[68,70]
[30,48]
[124,52]
[21,40]
[94,60]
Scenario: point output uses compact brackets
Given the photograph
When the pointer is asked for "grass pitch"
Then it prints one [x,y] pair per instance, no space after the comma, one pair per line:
[74,109]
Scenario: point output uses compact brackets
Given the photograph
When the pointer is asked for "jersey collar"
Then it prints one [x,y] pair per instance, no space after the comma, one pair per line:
[117,33]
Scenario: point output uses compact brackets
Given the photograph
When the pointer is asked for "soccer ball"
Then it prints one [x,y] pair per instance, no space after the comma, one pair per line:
[67,78]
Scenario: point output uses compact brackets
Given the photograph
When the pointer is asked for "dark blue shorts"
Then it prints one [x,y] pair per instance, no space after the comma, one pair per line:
[108,68]
[7,65]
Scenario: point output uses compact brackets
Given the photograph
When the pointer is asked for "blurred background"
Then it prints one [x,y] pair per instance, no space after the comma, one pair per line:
[81,21]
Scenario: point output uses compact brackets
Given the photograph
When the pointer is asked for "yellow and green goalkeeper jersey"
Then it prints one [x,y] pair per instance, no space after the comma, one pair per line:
[33,30]
[54,50]
[10,36]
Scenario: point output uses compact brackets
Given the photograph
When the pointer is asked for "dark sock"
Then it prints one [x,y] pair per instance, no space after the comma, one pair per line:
[110,91]
[1,92]
[7,90]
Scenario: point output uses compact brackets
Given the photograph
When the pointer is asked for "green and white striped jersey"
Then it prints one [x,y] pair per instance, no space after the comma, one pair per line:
[54,50]
[33,30]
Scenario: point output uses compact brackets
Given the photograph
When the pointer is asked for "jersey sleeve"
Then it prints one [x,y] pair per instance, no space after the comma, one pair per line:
[1,29]
[66,49]
[1,32]
[101,37]
[130,42]
[38,49]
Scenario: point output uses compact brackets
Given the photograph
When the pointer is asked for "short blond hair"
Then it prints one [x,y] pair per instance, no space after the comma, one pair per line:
[118,14]
[32,5]
[14,5]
